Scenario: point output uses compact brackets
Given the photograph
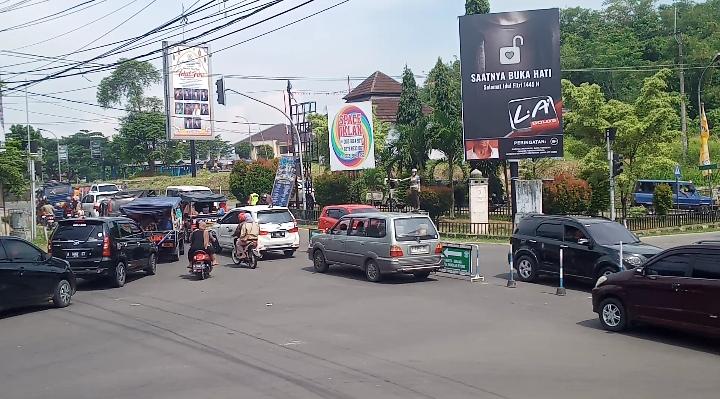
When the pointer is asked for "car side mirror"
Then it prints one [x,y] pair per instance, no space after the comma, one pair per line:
[640,271]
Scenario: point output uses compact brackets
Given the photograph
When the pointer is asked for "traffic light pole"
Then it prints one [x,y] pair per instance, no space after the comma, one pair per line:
[611,167]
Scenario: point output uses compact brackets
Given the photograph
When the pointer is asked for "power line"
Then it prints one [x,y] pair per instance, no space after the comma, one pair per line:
[59,14]
[18,7]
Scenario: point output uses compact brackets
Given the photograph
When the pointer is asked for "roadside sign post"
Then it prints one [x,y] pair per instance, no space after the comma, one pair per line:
[462,260]
[561,289]
[678,175]
[621,256]
[511,281]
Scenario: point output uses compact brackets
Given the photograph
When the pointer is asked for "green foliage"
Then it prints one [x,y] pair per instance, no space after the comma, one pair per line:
[142,138]
[243,150]
[247,178]
[434,200]
[13,166]
[265,152]
[332,189]
[637,211]
[477,7]
[663,199]
[213,149]
[319,125]
[127,85]
[412,145]
[566,195]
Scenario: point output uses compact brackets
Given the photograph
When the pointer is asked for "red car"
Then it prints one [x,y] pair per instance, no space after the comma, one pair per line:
[332,213]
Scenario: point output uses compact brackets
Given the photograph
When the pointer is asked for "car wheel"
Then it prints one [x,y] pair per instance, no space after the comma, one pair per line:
[526,269]
[319,262]
[612,315]
[372,271]
[289,253]
[63,294]
[605,271]
[421,275]
[118,279]
[152,265]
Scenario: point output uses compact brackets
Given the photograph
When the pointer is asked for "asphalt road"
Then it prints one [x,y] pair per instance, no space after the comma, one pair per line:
[283,331]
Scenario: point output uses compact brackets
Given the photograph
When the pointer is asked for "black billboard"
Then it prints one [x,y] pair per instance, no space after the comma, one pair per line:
[512,102]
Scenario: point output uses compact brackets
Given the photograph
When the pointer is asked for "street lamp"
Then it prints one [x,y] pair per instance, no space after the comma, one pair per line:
[58,151]
[702,76]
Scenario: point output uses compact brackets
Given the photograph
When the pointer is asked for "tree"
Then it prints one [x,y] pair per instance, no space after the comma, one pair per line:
[142,138]
[213,149]
[13,166]
[243,150]
[477,7]
[319,126]
[663,199]
[265,152]
[443,84]
[566,195]
[332,188]
[247,178]
[412,145]
[127,85]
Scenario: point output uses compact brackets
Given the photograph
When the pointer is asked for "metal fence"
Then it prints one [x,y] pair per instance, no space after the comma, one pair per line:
[652,222]
[491,230]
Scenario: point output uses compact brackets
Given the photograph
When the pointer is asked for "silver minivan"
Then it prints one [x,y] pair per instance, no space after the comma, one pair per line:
[379,244]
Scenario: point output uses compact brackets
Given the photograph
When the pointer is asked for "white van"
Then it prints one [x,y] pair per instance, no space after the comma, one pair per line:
[175,191]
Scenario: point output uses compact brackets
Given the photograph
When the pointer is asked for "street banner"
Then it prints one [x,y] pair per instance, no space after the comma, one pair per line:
[284,180]
[96,149]
[512,101]
[352,140]
[63,152]
[189,92]
[704,138]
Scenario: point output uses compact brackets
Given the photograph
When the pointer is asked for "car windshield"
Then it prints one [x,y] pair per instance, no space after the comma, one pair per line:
[363,210]
[277,216]
[78,232]
[611,233]
[107,189]
[408,229]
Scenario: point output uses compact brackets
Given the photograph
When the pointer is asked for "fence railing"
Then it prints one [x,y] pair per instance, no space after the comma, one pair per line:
[652,222]
[491,230]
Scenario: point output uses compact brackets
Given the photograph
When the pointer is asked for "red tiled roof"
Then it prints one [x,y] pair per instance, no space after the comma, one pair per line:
[377,84]
[386,109]
[278,132]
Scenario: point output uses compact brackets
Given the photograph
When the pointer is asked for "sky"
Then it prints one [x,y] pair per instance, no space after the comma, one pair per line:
[351,40]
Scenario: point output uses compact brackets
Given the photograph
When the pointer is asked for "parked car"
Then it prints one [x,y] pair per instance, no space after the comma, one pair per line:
[679,288]
[689,199]
[332,213]
[379,244]
[90,203]
[106,188]
[278,228]
[108,248]
[175,191]
[591,247]
[30,276]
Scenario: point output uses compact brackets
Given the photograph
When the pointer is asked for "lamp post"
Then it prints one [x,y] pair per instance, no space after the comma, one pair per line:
[702,76]
[58,151]
[249,133]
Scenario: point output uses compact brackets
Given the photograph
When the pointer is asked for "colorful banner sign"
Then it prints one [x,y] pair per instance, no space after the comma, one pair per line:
[284,181]
[352,139]
[512,102]
[189,92]
[704,139]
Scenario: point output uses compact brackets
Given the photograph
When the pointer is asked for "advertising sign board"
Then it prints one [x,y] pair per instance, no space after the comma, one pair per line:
[512,102]
[189,92]
[352,140]
[284,181]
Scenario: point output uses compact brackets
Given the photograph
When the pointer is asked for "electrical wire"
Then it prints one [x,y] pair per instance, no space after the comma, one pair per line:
[24,6]
[57,15]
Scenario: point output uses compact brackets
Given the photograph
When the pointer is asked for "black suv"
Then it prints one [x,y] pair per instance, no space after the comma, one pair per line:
[104,248]
[591,247]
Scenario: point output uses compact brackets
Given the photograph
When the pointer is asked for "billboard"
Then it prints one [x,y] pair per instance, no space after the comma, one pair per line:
[188,92]
[284,180]
[351,136]
[512,101]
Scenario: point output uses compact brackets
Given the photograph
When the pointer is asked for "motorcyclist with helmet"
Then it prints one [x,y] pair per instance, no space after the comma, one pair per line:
[247,232]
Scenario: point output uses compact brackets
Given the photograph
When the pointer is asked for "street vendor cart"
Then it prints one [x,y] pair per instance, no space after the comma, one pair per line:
[161,219]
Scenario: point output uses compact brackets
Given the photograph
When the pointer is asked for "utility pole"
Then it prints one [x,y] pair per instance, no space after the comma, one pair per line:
[31,170]
[683,107]
[296,145]
[609,138]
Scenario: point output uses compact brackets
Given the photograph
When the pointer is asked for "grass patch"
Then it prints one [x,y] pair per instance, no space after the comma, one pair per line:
[694,229]
[218,182]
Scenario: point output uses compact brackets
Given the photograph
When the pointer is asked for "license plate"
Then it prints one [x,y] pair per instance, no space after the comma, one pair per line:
[419,250]
[76,255]
[277,234]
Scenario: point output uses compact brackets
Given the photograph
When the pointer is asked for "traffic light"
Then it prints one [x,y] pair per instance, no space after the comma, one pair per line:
[611,133]
[617,164]
[220,90]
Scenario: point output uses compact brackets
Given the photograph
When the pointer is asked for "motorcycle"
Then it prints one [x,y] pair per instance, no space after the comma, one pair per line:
[251,258]
[201,265]
[48,221]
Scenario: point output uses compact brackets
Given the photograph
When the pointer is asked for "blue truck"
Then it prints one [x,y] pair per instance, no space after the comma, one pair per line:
[56,193]
[689,197]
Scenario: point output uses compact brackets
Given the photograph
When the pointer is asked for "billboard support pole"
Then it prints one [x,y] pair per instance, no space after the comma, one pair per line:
[514,176]
[193,159]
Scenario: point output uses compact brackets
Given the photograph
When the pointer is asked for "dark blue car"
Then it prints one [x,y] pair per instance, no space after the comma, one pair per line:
[689,197]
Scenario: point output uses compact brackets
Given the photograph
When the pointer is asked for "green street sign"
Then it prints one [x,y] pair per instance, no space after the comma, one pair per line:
[457,259]
[711,166]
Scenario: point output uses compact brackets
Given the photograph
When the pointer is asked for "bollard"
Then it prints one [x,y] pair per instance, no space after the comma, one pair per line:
[477,276]
[511,281]
[561,289]
[621,257]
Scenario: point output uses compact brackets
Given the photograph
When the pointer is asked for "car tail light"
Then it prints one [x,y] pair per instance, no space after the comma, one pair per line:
[106,247]
[396,252]
[294,229]
[201,257]
[263,233]
[438,249]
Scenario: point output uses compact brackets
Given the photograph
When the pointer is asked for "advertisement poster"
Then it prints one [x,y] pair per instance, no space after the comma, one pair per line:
[284,181]
[512,102]
[352,140]
[190,93]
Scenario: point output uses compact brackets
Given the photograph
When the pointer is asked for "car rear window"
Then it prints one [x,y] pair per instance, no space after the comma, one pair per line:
[363,210]
[106,189]
[79,231]
[277,217]
[409,229]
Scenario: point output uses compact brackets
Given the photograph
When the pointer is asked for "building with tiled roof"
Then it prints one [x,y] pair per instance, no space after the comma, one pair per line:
[384,92]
